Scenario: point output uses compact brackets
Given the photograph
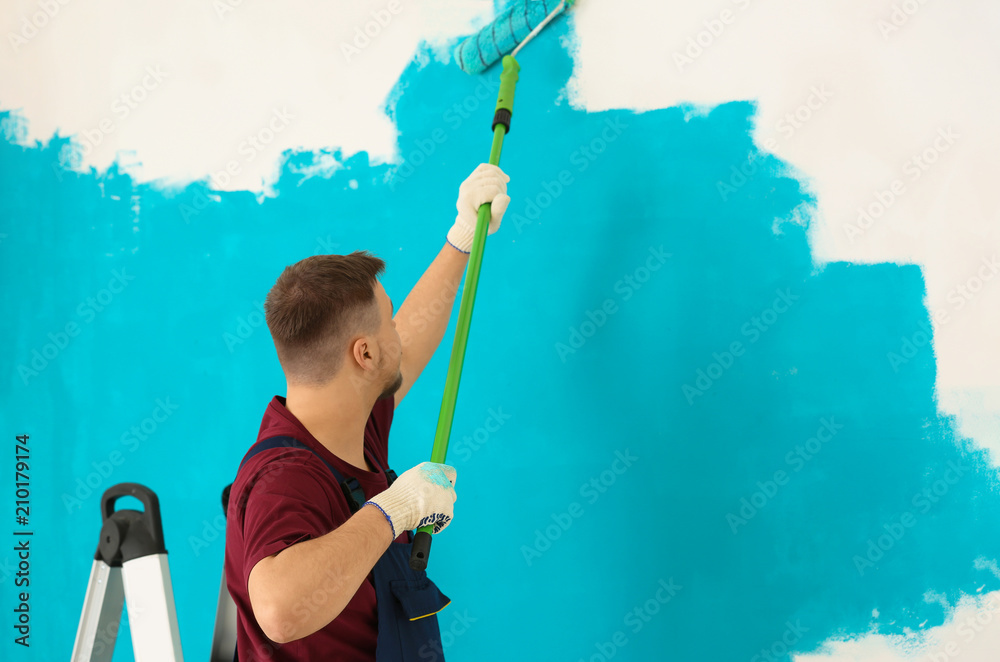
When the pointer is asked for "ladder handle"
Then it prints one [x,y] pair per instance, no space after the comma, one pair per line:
[146,496]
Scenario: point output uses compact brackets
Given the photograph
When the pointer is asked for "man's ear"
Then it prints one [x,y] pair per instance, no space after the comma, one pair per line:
[361,351]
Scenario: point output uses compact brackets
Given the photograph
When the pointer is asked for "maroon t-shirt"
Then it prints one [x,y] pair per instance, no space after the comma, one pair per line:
[286,495]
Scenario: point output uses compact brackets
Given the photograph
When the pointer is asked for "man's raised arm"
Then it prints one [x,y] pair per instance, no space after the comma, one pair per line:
[423,318]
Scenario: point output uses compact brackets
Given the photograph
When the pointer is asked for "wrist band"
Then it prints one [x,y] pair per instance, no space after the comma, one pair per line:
[387,518]
[457,248]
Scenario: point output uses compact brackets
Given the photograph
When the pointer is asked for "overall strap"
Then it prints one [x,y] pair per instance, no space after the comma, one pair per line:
[389,473]
[350,486]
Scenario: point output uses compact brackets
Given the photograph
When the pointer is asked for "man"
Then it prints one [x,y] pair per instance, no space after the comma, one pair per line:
[316,538]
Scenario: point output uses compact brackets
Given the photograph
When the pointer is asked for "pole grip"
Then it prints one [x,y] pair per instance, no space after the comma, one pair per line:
[421,548]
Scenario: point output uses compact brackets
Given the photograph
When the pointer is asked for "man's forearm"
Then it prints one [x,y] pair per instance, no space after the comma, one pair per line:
[307,585]
[423,318]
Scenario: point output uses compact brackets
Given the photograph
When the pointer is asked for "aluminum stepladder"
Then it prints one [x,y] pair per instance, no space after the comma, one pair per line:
[224,638]
[130,567]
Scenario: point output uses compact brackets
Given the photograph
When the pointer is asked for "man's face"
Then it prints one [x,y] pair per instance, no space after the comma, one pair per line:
[390,346]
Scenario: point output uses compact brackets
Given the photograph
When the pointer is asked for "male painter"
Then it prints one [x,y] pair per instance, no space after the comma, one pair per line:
[317,523]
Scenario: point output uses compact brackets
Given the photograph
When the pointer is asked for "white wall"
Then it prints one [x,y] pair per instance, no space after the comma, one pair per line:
[874,85]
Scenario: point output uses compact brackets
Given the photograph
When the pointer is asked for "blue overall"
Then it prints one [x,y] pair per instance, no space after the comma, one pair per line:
[408,600]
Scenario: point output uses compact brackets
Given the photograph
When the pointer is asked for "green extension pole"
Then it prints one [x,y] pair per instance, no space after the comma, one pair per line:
[501,126]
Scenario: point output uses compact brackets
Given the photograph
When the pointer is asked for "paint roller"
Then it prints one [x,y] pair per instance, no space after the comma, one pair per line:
[508,33]
[511,30]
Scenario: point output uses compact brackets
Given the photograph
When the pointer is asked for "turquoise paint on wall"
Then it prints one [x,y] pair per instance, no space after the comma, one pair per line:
[536,547]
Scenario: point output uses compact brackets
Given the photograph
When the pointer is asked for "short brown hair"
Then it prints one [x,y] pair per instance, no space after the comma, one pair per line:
[316,306]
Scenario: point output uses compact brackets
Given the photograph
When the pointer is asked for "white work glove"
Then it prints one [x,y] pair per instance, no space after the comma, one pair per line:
[487,183]
[421,496]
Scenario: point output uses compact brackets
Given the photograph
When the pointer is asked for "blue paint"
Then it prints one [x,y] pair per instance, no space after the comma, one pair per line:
[600,460]
[435,475]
